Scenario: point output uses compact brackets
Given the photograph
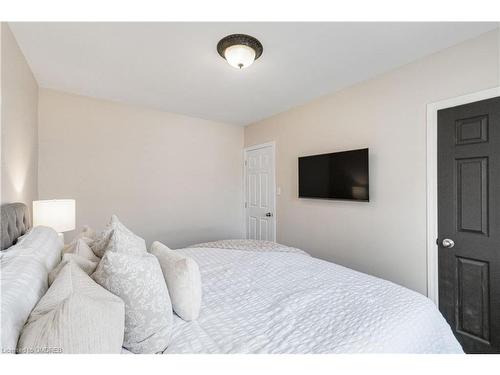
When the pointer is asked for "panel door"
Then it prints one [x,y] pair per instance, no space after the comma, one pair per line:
[469,223]
[260,194]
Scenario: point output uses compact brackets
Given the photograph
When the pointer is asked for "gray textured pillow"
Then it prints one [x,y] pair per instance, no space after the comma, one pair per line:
[86,265]
[87,234]
[117,237]
[138,281]
[183,279]
[76,315]
[80,247]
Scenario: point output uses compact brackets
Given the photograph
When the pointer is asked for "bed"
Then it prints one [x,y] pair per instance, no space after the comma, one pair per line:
[258,297]
[265,300]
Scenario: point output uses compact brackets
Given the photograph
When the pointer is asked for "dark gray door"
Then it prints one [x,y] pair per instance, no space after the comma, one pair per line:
[469,223]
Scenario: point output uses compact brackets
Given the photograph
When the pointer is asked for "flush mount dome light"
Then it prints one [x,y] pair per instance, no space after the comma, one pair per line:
[239,50]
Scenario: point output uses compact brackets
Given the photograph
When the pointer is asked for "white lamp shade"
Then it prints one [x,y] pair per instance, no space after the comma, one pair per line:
[58,214]
[240,56]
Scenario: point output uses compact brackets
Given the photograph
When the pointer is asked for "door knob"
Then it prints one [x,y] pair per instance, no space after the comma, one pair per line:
[269,214]
[447,243]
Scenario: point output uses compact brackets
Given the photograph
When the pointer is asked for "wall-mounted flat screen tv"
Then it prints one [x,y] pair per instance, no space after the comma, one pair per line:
[340,175]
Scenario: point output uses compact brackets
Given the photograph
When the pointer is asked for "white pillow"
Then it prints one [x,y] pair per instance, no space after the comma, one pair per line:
[81,248]
[46,245]
[117,237]
[183,279]
[76,315]
[138,281]
[24,274]
[87,266]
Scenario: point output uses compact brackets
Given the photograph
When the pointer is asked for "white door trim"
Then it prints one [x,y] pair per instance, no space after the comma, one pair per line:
[256,147]
[432,201]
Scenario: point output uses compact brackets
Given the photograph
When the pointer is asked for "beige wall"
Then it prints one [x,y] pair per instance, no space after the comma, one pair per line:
[19,114]
[387,236]
[169,177]
[179,179]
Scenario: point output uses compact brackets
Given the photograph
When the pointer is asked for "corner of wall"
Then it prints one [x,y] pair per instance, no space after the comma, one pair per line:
[19,117]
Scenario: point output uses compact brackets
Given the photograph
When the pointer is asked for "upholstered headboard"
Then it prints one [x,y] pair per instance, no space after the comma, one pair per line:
[15,221]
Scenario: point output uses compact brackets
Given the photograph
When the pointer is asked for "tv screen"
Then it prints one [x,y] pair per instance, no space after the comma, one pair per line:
[340,175]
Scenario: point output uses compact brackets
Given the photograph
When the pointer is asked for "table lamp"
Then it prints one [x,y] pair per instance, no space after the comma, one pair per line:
[58,214]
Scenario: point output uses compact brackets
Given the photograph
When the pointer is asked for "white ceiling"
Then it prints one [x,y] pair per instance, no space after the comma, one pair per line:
[175,66]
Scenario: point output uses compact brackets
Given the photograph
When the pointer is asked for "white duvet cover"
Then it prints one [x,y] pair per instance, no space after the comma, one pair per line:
[281,302]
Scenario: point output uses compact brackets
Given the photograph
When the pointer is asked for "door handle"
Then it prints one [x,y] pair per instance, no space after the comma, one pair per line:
[448,243]
[269,214]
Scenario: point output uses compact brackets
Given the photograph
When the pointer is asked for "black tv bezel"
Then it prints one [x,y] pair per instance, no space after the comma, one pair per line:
[335,199]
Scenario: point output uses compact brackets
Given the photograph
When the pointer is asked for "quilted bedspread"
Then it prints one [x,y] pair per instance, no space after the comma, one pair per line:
[287,302]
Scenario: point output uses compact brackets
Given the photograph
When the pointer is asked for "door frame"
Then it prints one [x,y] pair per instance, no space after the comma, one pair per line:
[432,188]
[271,144]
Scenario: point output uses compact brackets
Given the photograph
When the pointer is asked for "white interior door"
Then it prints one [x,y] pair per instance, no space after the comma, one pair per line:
[260,193]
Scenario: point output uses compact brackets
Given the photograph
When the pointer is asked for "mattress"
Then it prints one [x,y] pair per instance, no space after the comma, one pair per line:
[288,302]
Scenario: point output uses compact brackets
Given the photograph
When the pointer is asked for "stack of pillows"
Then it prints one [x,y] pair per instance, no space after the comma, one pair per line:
[109,292]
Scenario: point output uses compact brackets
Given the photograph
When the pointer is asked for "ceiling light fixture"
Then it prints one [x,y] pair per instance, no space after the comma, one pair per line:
[239,50]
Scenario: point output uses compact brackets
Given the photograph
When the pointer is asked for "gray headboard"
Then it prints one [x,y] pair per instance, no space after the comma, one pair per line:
[15,221]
